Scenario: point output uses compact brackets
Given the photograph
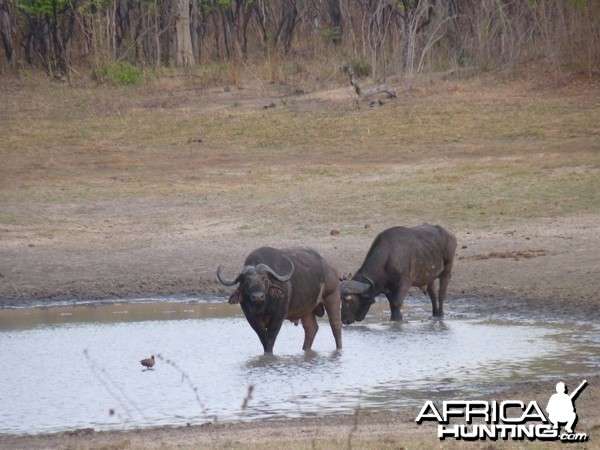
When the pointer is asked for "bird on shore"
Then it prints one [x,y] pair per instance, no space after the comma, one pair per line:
[148,362]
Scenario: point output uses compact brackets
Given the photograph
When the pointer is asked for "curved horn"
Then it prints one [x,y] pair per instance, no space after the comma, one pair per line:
[237,279]
[349,287]
[278,277]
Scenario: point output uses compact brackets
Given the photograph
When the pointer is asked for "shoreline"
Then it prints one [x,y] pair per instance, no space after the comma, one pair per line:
[551,260]
[334,431]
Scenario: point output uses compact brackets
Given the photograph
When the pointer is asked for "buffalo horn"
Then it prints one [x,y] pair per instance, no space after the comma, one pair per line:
[237,279]
[349,287]
[278,277]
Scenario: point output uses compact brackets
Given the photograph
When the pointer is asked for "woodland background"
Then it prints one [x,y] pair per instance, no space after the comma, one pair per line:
[122,39]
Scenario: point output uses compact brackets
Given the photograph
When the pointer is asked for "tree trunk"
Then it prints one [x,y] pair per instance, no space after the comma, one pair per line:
[6,30]
[195,26]
[184,53]
[335,20]
[287,24]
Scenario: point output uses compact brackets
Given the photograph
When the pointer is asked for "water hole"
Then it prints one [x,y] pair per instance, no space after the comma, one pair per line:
[77,366]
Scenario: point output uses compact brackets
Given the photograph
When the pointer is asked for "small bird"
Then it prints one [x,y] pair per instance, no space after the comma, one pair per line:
[148,362]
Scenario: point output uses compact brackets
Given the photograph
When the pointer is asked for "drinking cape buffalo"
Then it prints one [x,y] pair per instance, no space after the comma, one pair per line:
[398,259]
[295,284]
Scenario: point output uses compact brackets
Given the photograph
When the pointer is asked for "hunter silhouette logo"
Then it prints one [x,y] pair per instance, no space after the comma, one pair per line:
[509,419]
[561,408]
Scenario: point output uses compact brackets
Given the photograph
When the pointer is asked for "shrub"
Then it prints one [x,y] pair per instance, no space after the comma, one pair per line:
[361,68]
[121,74]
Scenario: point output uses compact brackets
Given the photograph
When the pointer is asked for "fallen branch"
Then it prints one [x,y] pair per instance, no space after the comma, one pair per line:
[363,94]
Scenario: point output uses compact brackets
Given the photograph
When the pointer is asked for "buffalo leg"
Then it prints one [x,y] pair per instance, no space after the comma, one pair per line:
[334,314]
[266,333]
[435,310]
[258,326]
[310,325]
[396,298]
[267,329]
[270,336]
[444,280]
[273,325]
[446,275]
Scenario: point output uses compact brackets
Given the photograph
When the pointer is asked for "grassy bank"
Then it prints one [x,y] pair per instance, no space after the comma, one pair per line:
[481,152]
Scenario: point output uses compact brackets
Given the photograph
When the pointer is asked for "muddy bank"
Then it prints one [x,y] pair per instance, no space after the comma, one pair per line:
[364,429]
[545,262]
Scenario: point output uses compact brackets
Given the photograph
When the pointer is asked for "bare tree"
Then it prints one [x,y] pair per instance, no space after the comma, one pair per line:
[7,32]
[398,36]
[287,24]
[184,52]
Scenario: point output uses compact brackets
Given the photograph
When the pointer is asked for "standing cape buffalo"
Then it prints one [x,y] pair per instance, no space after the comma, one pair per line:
[296,284]
[398,259]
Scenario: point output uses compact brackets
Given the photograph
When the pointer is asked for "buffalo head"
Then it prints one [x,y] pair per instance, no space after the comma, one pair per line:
[256,284]
[356,300]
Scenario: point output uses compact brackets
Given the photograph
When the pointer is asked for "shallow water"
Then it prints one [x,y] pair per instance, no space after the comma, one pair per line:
[69,367]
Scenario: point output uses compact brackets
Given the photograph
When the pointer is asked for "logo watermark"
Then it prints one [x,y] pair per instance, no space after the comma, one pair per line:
[509,419]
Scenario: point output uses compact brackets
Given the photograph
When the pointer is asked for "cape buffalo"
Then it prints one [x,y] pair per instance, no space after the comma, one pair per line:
[295,284]
[398,259]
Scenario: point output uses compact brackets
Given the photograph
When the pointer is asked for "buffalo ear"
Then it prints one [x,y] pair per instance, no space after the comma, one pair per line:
[235,297]
[276,293]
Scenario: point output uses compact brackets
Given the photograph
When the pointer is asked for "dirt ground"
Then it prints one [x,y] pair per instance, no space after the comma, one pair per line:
[546,264]
[541,268]
[542,265]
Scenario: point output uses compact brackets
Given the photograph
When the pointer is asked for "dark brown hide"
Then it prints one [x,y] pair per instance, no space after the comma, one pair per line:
[398,259]
[312,289]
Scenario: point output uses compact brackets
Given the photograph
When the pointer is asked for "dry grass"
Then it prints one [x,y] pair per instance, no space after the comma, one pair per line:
[459,152]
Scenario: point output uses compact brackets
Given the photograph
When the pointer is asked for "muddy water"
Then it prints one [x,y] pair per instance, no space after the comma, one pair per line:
[67,367]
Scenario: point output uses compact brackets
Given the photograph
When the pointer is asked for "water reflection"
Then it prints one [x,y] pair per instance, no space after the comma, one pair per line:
[78,366]
[304,359]
[135,311]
